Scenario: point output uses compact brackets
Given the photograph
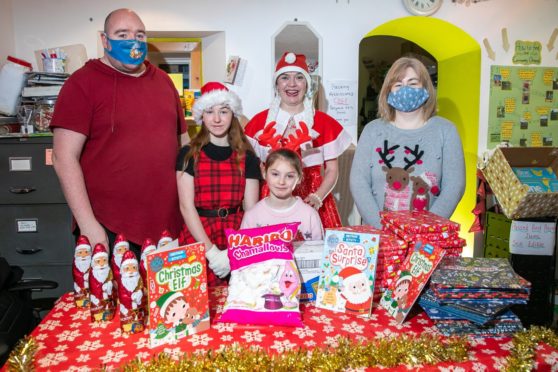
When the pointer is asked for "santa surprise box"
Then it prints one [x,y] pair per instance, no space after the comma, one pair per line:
[177,293]
[516,199]
[348,271]
[308,256]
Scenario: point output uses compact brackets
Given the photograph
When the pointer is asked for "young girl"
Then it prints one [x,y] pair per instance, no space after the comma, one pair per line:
[216,173]
[283,172]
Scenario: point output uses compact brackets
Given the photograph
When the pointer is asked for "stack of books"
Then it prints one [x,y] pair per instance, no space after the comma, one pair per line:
[424,226]
[43,84]
[473,295]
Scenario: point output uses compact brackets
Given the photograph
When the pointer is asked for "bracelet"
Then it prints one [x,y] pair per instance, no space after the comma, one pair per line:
[320,201]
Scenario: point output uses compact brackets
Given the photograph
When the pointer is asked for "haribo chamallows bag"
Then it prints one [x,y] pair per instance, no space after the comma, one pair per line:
[265,284]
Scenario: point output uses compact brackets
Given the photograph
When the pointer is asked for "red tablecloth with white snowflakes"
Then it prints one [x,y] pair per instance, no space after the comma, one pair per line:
[68,341]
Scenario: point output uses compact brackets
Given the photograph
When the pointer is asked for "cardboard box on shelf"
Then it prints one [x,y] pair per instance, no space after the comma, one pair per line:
[515,197]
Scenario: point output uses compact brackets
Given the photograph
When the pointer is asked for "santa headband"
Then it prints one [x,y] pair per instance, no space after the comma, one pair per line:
[212,94]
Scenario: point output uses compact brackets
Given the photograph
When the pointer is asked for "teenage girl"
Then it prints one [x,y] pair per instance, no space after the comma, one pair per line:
[283,172]
[218,177]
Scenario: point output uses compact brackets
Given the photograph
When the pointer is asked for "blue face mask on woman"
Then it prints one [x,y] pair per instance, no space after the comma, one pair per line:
[129,52]
[407,99]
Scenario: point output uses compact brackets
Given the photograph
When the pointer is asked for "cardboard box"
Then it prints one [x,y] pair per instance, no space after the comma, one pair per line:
[514,197]
[308,255]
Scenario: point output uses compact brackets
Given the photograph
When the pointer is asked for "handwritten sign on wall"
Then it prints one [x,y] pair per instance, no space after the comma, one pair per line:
[342,101]
[532,238]
[527,52]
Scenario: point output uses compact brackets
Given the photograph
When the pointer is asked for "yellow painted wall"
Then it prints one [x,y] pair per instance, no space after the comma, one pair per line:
[459,62]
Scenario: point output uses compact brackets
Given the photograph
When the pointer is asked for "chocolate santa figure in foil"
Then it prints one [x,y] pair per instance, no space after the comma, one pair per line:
[165,239]
[80,271]
[147,247]
[121,245]
[131,295]
[101,285]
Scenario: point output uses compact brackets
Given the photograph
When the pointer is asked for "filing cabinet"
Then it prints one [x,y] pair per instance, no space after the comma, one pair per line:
[35,228]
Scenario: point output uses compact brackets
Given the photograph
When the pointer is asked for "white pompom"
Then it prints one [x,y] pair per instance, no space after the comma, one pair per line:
[290,58]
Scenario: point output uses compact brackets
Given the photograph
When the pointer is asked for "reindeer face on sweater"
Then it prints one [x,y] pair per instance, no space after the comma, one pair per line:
[420,187]
[397,178]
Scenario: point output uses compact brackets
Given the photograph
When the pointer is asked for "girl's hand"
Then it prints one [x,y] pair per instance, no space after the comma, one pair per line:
[314,201]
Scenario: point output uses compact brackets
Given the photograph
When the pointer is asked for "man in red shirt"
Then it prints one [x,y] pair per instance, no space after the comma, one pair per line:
[117,124]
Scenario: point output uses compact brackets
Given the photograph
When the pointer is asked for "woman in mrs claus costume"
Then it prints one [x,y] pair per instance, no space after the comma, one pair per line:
[292,122]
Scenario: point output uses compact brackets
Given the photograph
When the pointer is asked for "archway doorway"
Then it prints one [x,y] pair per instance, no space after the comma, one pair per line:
[457,59]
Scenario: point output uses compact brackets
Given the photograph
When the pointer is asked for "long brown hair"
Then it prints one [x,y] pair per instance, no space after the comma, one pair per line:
[395,74]
[237,141]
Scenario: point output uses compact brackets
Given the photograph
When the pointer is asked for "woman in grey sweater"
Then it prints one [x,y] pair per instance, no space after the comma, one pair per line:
[408,159]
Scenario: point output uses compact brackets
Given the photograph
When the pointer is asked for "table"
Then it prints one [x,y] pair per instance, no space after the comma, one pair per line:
[68,341]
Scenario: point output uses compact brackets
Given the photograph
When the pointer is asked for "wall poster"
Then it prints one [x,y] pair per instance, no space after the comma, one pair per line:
[523,107]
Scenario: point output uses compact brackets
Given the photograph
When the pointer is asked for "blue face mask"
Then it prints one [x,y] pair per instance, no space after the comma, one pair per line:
[407,99]
[129,52]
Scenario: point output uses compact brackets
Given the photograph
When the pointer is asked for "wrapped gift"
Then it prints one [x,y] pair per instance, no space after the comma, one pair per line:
[388,240]
[517,199]
[419,222]
[413,237]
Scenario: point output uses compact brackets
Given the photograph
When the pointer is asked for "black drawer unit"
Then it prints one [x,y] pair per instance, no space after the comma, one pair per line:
[35,221]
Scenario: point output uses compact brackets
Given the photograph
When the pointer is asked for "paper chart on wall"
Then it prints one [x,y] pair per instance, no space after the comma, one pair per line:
[523,107]
[341,96]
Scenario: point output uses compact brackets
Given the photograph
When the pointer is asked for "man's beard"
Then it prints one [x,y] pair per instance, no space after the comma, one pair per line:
[83,263]
[118,259]
[101,273]
[357,298]
[130,281]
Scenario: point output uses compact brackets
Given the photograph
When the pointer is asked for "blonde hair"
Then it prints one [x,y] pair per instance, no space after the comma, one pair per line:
[394,75]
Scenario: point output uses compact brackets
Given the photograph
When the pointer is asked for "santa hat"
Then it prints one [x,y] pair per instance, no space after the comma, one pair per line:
[121,241]
[148,246]
[164,301]
[290,62]
[99,251]
[128,258]
[349,271]
[214,93]
[432,182]
[83,242]
[164,239]
[405,276]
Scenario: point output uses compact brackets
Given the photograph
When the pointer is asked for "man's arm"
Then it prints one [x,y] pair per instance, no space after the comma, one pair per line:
[67,147]
[184,139]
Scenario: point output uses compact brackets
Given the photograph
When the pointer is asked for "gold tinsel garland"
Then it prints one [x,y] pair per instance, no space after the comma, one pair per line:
[22,357]
[386,352]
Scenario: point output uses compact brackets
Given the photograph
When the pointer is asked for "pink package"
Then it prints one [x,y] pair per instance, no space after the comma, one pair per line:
[265,283]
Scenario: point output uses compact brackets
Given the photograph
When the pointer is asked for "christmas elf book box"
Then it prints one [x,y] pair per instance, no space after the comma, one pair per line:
[348,271]
[414,273]
[177,293]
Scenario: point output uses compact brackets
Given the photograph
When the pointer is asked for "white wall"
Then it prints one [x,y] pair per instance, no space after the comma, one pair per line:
[249,24]
[7,43]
